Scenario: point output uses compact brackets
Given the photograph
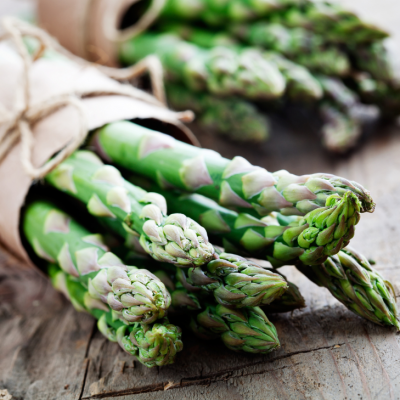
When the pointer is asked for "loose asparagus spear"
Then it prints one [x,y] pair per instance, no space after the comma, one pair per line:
[153,345]
[174,238]
[300,45]
[221,71]
[234,183]
[134,294]
[265,238]
[233,117]
[300,84]
[351,279]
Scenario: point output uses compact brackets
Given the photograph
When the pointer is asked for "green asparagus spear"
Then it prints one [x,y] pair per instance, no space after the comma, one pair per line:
[247,329]
[300,84]
[300,45]
[233,183]
[221,71]
[327,18]
[243,233]
[235,281]
[174,238]
[351,279]
[233,117]
[153,345]
[134,294]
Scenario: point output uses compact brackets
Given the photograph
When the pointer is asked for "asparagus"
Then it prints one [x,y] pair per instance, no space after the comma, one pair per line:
[290,300]
[233,117]
[221,71]
[300,45]
[134,294]
[235,282]
[351,280]
[300,84]
[340,131]
[233,183]
[153,345]
[173,238]
[231,280]
[330,19]
[247,329]
[245,234]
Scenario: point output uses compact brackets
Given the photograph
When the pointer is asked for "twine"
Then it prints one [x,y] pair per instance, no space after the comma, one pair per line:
[17,124]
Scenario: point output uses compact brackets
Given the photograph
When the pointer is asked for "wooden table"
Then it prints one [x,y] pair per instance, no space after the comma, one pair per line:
[49,351]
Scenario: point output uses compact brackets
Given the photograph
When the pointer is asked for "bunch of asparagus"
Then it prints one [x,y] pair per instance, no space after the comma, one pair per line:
[286,219]
[271,52]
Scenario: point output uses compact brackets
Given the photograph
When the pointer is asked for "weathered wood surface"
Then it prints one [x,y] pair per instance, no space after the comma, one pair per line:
[49,351]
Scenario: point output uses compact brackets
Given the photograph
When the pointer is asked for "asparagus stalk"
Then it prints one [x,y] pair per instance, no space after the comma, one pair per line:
[265,238]
[175,238]
[153,345]
[323,17]
[235,118]
[235,282]
[300,84]
[340,131]
[221,71]
[298,44]
[351,280]
[247,329]
[231,280]
[233,183]
[134,294]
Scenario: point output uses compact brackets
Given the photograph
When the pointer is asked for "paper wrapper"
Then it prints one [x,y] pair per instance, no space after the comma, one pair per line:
[79,26]
[52,133]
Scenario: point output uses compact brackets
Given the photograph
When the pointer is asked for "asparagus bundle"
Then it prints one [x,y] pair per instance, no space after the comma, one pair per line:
[153,344]
[300,84]
[300,45]
[174,238]
[134,294]
[221,71]
[233,183]
[347,275]
[351,279]
[323,17]
[232,117]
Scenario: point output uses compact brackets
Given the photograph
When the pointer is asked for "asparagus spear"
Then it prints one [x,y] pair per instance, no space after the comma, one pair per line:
[233,117]
[235,281]
[174,238]
[351,279]
[298,44]
[247,329]
[323,17]
[153,345]
[243,233]
[231,280]
[221,71]
[134,294]
[234,183]
[300,84]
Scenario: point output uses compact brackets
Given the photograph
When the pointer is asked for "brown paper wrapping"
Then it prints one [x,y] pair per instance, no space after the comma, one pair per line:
[79,26]
[52,133]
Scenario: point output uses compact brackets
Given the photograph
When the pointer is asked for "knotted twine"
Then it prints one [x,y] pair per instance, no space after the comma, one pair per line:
[16,124]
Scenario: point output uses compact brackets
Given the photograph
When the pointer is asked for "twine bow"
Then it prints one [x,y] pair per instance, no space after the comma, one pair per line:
[16,124]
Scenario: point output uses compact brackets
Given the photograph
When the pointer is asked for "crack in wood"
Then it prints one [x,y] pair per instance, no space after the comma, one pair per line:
[220,376]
